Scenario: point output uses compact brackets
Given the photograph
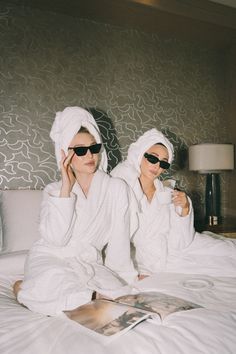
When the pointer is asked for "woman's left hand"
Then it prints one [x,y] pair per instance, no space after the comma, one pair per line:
[180,199]
[142,276]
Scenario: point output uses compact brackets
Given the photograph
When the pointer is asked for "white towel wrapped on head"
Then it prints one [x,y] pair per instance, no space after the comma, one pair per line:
[67,123]
[129,169]
[144,142]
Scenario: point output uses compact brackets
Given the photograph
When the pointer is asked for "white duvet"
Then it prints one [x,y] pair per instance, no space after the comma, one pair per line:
[209,254]
[208,330]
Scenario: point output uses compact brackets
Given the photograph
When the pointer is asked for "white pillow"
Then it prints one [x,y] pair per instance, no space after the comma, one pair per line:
[13,263]
[20,211]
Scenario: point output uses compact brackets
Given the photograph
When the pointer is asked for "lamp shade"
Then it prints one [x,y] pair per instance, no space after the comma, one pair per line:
[211,158]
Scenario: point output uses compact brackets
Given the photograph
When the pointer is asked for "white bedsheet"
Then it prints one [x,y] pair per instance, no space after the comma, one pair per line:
[209,330]
[209,254]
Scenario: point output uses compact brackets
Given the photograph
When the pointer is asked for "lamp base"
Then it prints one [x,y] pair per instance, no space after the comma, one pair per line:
[213,199]
[213,220]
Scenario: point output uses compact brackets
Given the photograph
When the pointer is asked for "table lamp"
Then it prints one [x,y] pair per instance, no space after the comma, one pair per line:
[211,159]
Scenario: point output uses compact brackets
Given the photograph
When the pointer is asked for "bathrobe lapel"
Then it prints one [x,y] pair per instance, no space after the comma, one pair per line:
[91,212]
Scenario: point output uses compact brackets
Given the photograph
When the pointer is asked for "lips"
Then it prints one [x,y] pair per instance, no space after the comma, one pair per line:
[90,164]
[154,172]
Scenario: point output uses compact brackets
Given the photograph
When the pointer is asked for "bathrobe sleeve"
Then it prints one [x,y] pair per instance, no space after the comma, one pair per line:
[57,216]
[123,220]
[182,231]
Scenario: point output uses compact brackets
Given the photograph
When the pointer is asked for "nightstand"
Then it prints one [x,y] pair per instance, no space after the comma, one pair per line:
[226,228]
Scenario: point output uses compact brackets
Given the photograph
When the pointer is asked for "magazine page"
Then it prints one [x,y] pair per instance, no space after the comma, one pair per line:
[106,318]
[157,302]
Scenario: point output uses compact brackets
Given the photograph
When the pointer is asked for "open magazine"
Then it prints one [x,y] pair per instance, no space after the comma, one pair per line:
[111,318]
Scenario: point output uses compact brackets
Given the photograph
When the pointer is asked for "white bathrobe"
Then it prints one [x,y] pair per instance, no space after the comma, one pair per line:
[166,241]
[65,266]
[161,228]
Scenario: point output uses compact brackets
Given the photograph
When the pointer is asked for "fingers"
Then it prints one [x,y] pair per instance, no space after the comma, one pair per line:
[66,160]
[66,170]
[180,199]
[142,276]
[68,177]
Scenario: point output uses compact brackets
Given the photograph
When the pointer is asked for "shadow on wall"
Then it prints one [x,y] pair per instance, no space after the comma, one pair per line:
[180,164]
[199,211]
[180,150]
[180,161]
[109,137]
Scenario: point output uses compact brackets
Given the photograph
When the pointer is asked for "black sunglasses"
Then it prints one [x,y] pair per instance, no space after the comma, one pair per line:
[82,150]
[153,159]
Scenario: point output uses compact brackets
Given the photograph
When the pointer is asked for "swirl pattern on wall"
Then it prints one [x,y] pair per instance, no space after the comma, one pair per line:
[130,81]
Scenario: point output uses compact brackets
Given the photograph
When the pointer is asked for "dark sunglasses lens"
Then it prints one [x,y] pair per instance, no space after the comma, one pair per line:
[80,150]
[164,164]
[95,149]
[152,159]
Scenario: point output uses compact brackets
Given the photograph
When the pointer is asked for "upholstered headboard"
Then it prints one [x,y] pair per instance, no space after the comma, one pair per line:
[19,210]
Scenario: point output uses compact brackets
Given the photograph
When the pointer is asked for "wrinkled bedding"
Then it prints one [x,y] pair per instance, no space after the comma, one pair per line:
[208,330]
[208,254]
[204,274]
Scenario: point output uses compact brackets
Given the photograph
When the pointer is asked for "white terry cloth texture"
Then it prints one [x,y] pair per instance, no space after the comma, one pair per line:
[161,227]
[129,169]
[144,142]
[166,241]
[65,265]
[67,123]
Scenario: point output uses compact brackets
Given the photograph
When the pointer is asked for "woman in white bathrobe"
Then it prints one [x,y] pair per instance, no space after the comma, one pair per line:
[81,214]
[165,215]
[166,239]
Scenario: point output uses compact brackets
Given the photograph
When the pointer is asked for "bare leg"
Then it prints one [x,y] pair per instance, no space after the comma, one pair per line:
[16,287]
[100,296]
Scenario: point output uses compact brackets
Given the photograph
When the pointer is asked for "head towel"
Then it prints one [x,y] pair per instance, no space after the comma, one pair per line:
[67,124]
[144,142]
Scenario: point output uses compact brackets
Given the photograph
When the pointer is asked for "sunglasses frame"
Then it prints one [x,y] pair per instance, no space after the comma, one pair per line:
[82,150]
[154,159]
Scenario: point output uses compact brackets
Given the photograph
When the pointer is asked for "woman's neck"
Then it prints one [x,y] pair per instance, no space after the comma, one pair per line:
[84,180]
[147,186]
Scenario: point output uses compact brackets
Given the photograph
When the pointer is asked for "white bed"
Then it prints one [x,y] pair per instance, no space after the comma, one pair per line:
[211,329]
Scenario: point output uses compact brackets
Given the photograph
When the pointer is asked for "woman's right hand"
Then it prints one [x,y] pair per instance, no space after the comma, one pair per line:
[67,174]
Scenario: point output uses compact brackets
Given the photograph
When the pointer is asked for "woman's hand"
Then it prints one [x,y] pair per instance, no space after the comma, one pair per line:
[142,276]
[180,199]
[67,174]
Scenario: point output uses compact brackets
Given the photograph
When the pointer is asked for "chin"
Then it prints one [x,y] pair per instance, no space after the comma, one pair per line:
[91,169]
[152,174]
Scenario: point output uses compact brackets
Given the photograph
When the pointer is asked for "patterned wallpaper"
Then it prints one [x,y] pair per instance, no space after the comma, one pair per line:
[130,80]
